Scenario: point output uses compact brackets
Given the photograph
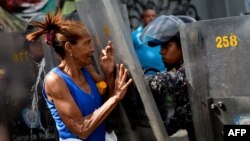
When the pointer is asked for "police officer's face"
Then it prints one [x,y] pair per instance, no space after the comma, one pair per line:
[171,54]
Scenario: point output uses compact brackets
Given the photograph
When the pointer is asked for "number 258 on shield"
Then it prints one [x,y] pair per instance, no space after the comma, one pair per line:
[226,41]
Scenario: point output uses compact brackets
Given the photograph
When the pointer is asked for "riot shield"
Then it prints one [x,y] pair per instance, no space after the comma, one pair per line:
[217,62]
[23,110]
[106,22]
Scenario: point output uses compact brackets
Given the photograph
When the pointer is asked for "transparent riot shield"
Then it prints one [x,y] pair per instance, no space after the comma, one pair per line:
[217,62]
[105,22]
[24,114]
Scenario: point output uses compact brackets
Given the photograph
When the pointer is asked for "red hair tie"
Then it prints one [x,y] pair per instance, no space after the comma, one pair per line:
[50,37]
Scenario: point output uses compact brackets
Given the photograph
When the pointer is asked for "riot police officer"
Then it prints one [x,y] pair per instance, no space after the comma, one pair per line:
[164,31]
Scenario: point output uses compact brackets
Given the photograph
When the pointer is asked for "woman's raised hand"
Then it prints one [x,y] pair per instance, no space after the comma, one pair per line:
[121,82]
[107,60]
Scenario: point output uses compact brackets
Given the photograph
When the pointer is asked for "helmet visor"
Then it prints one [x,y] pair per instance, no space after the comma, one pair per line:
[160,30]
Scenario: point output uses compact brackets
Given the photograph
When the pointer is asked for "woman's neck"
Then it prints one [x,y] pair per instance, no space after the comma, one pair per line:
[71,69]
[74,71]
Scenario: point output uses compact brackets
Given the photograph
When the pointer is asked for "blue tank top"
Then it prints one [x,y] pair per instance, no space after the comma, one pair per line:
[87,104]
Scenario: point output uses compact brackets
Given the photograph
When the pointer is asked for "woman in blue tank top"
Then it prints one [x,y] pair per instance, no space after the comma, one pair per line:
[69,89]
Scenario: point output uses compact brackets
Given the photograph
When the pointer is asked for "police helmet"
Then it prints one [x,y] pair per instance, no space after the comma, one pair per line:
[162,29]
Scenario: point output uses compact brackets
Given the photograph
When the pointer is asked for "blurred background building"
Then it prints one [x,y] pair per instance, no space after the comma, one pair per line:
[11,11]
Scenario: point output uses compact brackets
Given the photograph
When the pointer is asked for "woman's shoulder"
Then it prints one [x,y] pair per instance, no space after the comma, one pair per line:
[54,85]
[52,79]
[52,76]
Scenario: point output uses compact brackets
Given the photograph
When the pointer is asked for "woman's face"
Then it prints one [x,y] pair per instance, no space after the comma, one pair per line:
[171,54]
[83,50]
